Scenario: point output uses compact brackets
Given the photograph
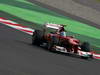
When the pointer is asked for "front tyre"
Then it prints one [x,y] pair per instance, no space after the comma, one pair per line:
[84,57]
[85,47]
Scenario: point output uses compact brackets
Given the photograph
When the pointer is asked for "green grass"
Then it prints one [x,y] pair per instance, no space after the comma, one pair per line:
[41,18]
[98,0]
[28,11]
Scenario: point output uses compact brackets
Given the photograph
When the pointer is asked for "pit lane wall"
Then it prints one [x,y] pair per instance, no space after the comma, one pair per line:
[28,30]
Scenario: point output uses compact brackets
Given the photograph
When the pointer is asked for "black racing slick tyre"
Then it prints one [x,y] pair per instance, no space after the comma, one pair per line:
[37,37]
[85,47]
[82,57]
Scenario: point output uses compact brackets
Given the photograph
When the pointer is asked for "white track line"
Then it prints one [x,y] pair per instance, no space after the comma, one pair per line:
[16,26]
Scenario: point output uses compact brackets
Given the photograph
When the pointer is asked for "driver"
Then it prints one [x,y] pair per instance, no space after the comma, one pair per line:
[61,31]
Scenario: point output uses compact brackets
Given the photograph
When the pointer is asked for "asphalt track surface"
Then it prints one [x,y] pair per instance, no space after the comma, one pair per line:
[95,4]
[19,57]
[45,4]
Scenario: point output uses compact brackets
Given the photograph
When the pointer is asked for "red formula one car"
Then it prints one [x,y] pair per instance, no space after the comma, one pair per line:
[54,38]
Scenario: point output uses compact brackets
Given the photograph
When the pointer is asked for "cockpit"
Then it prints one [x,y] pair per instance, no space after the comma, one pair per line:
[63,33]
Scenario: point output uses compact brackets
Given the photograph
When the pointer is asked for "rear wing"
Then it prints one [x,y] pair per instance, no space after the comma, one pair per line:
[54,26]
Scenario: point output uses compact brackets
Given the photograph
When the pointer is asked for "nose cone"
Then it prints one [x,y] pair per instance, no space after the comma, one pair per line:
[74,41]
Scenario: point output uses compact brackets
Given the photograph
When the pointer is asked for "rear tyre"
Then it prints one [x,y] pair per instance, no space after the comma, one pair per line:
[37,37]
[34,42]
